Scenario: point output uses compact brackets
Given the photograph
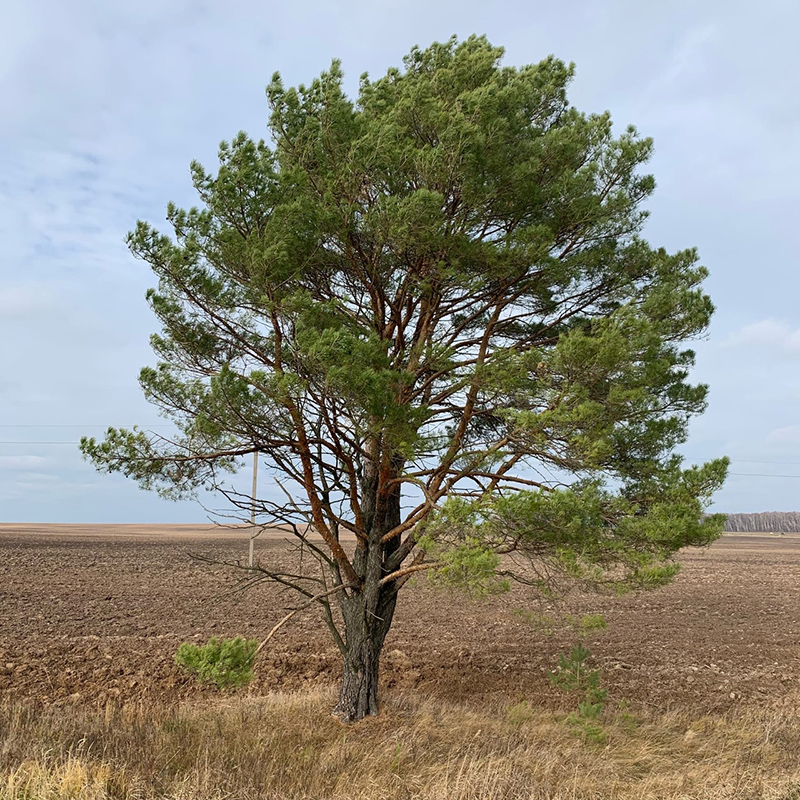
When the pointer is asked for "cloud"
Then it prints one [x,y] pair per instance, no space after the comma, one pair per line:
[690,57]
[23,299]
[770,333]
[788,435]
[21,462]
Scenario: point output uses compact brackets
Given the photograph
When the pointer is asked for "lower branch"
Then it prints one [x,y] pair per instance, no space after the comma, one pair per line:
[400,573]
[317,598]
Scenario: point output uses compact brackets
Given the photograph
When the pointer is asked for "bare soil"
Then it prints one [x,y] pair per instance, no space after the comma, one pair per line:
[94,614]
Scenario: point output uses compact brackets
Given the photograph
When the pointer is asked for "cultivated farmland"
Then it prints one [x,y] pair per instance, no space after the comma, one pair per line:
[99,612]
[91,617]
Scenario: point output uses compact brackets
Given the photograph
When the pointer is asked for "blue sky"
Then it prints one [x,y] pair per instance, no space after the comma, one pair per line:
[105,103]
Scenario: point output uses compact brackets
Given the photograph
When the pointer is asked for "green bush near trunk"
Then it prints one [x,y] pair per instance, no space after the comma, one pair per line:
[227,663]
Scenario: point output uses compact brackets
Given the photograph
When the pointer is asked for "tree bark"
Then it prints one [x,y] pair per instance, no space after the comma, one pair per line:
[365,633]
[368,611]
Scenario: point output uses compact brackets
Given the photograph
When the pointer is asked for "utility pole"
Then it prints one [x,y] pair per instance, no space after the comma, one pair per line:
[253,509]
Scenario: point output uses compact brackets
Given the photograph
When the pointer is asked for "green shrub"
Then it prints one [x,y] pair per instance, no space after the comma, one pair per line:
[593,622]
[548,623]
[227,663]
[573,674]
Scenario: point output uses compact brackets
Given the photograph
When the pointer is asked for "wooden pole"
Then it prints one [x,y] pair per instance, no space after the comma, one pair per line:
[253,509]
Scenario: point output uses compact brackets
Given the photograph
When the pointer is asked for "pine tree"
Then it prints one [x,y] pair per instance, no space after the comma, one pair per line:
[431,312]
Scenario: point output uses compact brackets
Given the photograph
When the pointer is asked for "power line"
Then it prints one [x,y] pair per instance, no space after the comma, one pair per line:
[754,461]
[760,475]
[34,442]
[167,425]
[159,425]
[734,474]
[744,460]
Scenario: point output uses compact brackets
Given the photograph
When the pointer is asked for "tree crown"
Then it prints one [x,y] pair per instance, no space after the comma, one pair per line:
[430,309]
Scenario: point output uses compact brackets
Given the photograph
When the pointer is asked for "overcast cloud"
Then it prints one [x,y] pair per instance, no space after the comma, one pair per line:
[104,105]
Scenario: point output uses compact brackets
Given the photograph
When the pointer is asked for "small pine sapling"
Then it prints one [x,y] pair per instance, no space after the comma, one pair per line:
[226,663]
[573,675]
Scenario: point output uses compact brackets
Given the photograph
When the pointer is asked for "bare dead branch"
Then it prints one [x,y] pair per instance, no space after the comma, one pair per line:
[315,599]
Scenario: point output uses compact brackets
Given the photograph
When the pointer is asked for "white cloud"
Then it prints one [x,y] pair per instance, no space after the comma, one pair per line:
[22,299]
[770,333]
[21,462]
[788,435]
[690,58]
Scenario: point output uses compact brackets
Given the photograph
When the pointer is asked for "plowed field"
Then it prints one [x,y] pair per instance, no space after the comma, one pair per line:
[95,613]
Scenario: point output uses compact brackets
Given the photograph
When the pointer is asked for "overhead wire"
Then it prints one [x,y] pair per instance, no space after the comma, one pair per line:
[163,425]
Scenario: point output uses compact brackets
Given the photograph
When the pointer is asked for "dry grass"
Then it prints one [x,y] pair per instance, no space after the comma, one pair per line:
[288,746]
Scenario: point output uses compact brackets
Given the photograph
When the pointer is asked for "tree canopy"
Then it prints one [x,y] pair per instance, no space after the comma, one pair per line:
[431,312]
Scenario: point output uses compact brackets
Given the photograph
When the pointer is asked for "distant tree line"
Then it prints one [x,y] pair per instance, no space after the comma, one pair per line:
[768,521]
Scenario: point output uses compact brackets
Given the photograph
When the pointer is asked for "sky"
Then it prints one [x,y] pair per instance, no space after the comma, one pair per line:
[104,104]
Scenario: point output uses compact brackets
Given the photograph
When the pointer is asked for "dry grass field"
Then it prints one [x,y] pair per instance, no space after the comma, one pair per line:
[703,681]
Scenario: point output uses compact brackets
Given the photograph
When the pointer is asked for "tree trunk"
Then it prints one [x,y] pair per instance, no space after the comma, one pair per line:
[365,634]
[368,612]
